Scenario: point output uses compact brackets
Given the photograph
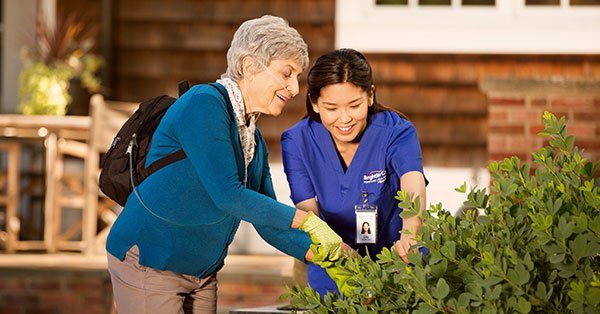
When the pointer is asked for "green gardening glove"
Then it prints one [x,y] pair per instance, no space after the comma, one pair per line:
[334,270]
[321,233]
[341,277]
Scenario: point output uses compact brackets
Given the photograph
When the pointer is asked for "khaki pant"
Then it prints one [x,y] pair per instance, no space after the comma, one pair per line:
[140,289]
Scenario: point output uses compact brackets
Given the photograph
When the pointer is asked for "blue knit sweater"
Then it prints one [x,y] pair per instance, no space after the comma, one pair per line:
[197,203]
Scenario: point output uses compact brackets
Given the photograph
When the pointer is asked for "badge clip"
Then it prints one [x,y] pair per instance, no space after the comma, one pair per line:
[366,221]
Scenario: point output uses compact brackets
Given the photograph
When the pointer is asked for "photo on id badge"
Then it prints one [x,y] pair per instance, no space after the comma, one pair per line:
[366,227]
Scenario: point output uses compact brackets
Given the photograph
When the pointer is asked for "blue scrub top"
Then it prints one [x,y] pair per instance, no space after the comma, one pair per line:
[388,149]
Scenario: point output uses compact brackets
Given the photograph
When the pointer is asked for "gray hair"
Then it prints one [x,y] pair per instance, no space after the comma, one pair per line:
[264,39]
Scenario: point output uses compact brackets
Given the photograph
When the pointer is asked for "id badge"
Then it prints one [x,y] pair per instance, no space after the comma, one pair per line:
[366,222]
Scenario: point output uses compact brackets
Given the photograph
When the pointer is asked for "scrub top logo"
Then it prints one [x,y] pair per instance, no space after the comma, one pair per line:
[376,176]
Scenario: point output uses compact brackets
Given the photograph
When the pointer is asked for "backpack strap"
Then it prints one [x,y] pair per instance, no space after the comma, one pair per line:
[184,86]
[178,155]
[160,163]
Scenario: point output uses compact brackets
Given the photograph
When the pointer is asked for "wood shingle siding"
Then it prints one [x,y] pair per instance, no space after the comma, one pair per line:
[157,43]
[440,95]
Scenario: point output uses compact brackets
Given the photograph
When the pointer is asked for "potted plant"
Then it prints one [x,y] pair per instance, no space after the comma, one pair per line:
[63,54]
[535,250]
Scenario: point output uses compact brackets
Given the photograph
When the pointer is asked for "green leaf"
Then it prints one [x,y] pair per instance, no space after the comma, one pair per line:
[552,249]
[528,262]
[522,273]
[484,220]
[575,306]
[556,143]
[564,229]
[524,305]
[496,292]
[593,296]
[462,188]
[547,116]
[506,165]
[463,299]
[569,142]
[439,269]
[449,249]
[414,258]
[578,246]
[548,222]
[556,258]
[513,276]
[540,292]
[488,258]
[425,308]
[592,249]
[405,214]
[588,169]
[441,290]
[492,281]
[557,205]
[493,167]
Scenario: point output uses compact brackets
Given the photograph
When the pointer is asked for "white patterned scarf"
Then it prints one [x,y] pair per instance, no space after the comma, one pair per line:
[246,132]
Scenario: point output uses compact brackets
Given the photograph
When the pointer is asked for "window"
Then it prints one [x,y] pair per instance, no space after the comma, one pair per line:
[17,29]
[469,26]
[436,2]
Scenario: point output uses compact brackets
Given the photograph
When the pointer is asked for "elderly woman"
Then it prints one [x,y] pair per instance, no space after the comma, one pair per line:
[165,260]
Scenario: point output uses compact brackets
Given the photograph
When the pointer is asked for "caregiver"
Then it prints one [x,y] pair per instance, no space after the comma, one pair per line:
[349,157]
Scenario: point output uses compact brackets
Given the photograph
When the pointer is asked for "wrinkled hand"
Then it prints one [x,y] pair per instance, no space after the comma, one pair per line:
[321,233]
[403,246]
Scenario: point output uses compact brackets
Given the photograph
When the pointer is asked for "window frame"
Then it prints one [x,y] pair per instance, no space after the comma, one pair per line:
[509,27]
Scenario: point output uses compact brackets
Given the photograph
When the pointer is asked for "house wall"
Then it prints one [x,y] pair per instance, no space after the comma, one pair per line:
[57,291]
[440,94]
[155,44]
[70,284]
[515,114]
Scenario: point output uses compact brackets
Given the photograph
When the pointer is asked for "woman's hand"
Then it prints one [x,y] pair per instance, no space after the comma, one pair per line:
[348,250]
[413,184]
[403,246]
[322,234]
[308,257]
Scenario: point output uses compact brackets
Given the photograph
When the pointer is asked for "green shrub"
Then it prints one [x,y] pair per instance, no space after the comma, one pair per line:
[535,249]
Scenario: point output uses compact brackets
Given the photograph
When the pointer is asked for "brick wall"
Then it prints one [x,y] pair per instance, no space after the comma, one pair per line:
[516,107]
[250,280]
[440,94]
[65,284]
[52,291]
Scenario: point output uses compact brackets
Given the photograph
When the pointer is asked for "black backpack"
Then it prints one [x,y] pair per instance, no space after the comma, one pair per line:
[123,165]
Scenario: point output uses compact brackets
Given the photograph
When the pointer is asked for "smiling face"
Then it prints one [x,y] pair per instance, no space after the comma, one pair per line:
[365,227]
[268,90]
[343,111]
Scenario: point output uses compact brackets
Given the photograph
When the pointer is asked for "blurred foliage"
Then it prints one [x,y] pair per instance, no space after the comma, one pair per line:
[64,52]
[536,249]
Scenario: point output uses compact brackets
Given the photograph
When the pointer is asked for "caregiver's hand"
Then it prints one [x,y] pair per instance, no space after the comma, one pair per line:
[403,245]
[322,234]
